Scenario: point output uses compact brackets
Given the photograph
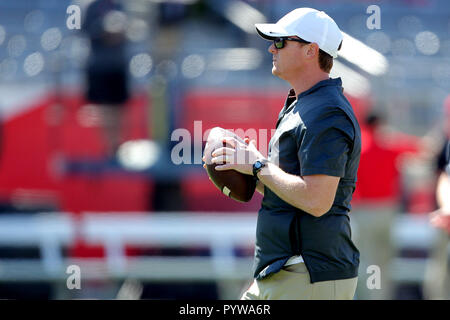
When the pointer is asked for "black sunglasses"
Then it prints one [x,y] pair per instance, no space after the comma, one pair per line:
[279,42]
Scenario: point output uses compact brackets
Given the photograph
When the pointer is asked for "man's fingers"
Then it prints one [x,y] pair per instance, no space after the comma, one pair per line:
[223,150]
[232,141]
[221,159]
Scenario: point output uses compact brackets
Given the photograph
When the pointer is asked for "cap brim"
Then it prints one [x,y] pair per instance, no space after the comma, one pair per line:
[270,31]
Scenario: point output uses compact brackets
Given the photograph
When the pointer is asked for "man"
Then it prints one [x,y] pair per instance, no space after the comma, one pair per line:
[378,200]
[436,283]
[106,69]
[303,238]
[437,278]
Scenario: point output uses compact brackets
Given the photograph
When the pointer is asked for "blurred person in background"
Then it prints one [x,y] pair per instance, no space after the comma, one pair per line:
[106,72]
[436,283]
[303,248]
[378,198]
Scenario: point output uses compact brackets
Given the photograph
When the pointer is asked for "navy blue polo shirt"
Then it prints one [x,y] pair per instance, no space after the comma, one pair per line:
[316,133]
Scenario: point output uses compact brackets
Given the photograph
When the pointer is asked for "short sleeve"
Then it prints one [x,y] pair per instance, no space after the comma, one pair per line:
[325,145]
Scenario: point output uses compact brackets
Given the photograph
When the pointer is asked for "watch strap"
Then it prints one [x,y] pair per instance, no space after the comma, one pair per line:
[263,163]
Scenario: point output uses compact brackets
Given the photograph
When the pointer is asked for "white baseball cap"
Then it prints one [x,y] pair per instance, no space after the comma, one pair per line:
[308,24]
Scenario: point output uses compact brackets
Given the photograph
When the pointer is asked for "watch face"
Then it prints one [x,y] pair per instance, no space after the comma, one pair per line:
[258,165]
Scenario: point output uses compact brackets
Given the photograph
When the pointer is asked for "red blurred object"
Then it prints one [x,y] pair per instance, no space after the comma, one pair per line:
[379,172]
[111,192]
[51,129]
[232,109]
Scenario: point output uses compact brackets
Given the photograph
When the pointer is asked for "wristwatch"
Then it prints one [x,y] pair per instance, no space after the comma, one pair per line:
[257,166]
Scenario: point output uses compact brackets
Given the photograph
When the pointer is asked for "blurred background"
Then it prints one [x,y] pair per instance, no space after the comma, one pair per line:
[91,93]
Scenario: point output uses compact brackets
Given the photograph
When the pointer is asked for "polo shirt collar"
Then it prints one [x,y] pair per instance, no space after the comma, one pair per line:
[288,104]
[327,82]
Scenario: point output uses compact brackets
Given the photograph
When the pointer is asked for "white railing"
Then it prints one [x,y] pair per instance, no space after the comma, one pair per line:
[221,233]
[51,232]
[48,232]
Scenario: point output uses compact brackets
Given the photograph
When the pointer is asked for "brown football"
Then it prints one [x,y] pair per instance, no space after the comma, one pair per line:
[237,186]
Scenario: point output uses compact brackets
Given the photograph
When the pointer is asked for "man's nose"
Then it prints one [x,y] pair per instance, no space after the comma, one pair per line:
[272,49]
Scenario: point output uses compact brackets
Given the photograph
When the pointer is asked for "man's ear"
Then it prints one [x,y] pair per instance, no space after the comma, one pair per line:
[313,50]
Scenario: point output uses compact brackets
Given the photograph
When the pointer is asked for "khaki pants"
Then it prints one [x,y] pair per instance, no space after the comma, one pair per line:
[293,283]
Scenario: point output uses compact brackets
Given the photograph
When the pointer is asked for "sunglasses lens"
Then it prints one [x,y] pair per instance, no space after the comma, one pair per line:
[279,43]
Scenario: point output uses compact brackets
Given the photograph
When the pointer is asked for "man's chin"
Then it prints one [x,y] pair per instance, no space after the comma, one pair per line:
[275,71]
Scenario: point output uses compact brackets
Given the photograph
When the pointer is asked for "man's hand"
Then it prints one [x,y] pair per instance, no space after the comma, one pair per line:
[441,219]
[239,156]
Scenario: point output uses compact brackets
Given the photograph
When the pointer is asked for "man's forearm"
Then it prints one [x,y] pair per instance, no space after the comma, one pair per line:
[443,190]
[294,190]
